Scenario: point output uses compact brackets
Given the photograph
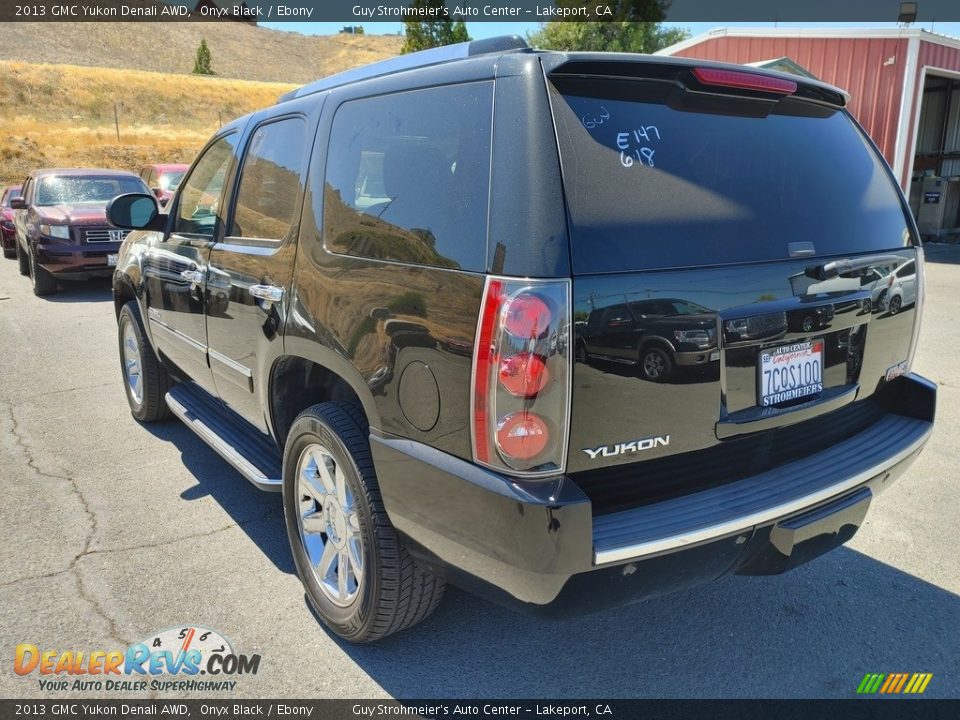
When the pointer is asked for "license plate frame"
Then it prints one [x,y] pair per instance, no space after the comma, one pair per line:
[112,259]
[802,363]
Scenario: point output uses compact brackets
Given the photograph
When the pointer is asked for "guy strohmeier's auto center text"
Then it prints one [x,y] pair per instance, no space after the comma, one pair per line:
[267,11]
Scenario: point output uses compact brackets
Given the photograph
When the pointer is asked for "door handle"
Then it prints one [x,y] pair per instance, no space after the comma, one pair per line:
[270,293]
[194,276]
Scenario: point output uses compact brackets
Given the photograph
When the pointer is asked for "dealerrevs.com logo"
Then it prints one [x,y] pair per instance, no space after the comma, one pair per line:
[184,658]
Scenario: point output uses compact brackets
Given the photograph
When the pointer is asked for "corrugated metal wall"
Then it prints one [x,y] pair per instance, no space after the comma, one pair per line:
[861,66]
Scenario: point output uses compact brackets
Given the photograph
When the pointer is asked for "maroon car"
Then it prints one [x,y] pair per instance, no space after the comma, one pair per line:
[163,179]
[7,237]
[61,226]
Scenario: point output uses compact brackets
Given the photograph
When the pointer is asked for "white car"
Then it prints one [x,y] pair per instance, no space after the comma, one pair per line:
[901,287]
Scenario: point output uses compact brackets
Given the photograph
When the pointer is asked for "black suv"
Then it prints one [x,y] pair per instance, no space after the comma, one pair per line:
[368,297]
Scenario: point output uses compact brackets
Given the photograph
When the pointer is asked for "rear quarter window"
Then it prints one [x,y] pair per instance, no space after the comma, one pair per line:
[407,177]
[651,185]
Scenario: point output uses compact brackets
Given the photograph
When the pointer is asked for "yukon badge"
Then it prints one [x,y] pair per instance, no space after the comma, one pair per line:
[628,447]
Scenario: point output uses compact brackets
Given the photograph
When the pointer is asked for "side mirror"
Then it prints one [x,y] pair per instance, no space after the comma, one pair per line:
[133,211]
[18,203]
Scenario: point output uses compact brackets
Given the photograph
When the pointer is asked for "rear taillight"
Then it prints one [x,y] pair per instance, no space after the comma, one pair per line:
[521,377]
[744,80]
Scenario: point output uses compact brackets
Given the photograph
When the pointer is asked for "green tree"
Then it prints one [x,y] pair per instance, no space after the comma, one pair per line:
[425,34]
[634,27]
[202,63]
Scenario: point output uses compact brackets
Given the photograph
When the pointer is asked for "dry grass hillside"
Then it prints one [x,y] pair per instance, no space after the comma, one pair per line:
[246,52]
[62,115]
[61,81]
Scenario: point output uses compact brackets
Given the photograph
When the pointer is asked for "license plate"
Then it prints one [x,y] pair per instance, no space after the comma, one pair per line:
[112,259]
[790,372]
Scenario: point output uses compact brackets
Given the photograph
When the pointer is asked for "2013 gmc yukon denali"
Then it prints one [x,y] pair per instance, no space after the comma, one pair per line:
[370,297]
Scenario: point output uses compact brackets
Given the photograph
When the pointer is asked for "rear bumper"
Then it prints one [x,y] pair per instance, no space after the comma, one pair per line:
[76,261]
[538,546]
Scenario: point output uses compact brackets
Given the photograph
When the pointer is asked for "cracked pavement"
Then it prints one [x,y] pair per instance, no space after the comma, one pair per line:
[113,530]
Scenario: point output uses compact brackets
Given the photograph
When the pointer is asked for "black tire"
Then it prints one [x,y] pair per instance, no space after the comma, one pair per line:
[896,303]
[21,258]
[396,591]
[155,382]
[656,364]
[581,352]
[43,282]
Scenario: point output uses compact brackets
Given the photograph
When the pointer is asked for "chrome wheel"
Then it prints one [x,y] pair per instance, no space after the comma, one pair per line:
[132,366]
[329,525]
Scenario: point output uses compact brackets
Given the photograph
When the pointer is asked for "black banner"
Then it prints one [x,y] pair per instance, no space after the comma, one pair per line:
[874,709]
[370,11]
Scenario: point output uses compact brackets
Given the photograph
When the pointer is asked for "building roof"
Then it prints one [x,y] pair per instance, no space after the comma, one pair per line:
[837,33]
[783,64]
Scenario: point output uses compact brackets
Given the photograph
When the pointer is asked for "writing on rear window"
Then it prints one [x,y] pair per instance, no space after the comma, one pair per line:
[592,120]
[637,144]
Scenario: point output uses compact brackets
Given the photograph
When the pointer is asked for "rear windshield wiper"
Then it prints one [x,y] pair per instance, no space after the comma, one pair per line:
[848,266]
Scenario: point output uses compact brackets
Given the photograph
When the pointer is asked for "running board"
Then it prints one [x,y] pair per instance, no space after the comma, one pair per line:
[253,454]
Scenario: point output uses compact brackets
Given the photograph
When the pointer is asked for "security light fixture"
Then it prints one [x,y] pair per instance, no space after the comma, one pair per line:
[908,13]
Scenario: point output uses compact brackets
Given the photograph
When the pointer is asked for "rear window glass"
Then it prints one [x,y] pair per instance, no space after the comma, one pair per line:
[653,186]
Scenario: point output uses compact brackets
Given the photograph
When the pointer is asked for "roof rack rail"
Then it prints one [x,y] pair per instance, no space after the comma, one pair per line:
[422,58]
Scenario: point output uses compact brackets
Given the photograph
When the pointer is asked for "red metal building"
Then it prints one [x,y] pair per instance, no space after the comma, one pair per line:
[904,84]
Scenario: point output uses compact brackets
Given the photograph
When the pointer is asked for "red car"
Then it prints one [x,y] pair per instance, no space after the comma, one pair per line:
[61,224]
[163,179]
[7,232]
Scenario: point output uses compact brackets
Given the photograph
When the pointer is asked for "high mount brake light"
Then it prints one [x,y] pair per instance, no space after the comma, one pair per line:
[521,377]
[744,80]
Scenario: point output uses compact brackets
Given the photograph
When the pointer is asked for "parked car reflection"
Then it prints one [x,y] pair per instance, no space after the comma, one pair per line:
[659,336]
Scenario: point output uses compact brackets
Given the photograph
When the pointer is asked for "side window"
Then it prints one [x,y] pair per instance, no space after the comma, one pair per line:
[27,187]
[200,207]
[617,316]
[407,177]
[152,179]
[908,270]
[270,181]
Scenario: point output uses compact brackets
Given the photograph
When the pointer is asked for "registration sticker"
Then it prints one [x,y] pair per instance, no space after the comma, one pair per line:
[790,372]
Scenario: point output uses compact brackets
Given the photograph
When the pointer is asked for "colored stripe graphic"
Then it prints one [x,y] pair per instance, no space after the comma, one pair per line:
[894,683]
[903,680]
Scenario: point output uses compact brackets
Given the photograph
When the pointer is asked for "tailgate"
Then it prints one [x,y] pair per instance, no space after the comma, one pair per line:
[719,387]
[734,253]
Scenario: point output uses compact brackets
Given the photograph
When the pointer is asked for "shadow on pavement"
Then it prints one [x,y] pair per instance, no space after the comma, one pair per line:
[813,632]
[259,514]
[942,253]
[97,290]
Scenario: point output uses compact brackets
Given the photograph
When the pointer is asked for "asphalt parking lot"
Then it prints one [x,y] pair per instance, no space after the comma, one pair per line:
[113,530]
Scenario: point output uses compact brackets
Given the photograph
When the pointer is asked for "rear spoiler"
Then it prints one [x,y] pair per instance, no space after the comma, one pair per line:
[633,65]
